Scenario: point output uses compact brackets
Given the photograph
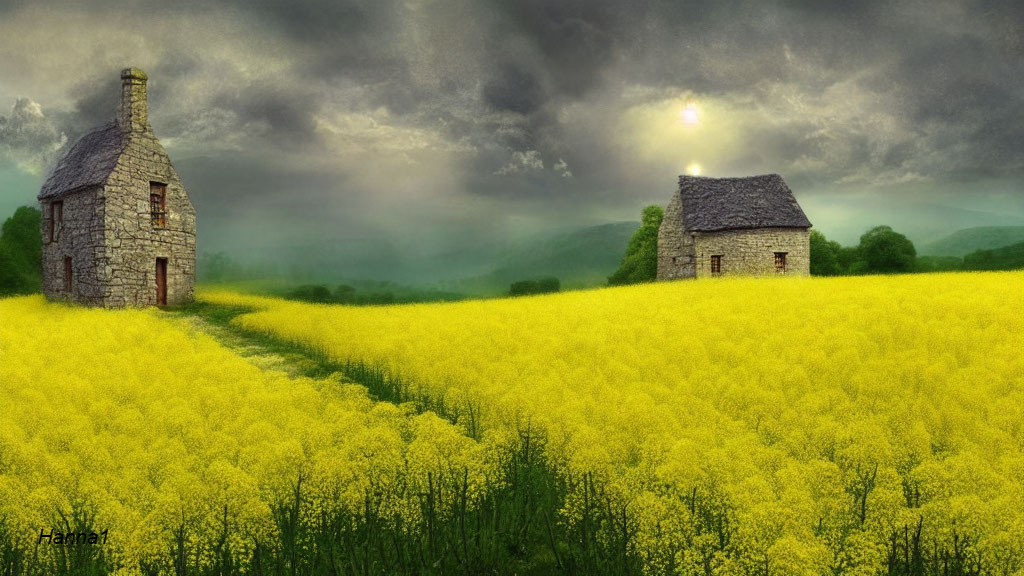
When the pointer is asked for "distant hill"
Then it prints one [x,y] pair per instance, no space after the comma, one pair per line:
[963,242]
[577,257]
[1003,258]
[580,258]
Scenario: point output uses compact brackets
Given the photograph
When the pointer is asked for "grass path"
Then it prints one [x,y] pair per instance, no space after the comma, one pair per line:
[264,353]
[271,351]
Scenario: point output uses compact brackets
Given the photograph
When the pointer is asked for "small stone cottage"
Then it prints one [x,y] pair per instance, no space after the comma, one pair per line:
[118,227]
[728,226]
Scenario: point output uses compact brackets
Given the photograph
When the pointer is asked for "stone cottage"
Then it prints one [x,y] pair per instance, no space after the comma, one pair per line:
[727,226]
[118,227]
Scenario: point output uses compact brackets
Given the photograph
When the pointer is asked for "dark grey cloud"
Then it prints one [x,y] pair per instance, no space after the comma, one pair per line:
[574,40]
[967,96]
[533,57]
[269,186]
[96,102]
[513,89]
[385,104]
[286,112]
[355,40]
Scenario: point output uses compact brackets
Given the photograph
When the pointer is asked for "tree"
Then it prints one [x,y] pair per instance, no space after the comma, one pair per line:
[640,264]
[938,263]
[310,293]
[1005,258]
[21,253]
[538,286]
[522,288]
[885,251]
[344,294]
[824,255]
[548,284]
[848,260]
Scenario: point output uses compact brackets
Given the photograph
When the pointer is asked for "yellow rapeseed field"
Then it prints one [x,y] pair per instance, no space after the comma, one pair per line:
[162,433]
[807,426]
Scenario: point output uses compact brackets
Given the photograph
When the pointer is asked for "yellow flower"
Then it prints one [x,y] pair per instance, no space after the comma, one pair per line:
[818,416]
[155,430]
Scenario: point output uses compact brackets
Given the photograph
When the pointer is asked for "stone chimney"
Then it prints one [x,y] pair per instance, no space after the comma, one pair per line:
[133,116]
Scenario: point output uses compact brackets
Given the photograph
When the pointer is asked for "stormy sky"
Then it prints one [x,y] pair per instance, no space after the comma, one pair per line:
[433,123]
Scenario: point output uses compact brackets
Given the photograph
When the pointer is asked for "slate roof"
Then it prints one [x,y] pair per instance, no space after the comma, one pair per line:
[87,163]
[764,201]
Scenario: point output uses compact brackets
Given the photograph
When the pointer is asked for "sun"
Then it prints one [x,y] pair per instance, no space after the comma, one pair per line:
[689,115]
[693,169]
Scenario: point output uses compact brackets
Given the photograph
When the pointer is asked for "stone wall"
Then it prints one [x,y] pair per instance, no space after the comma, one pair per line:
[752,252]
[133,242]
[80,235]
[675,244]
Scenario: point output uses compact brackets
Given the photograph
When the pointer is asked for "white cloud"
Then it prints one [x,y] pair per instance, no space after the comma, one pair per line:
[527,161]
[28,138]
[563,169]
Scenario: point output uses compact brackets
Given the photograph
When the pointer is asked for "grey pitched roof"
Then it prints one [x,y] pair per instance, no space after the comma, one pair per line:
[87,163]
[765,201]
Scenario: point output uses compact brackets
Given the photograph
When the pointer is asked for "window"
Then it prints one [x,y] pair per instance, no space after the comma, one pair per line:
[67,274]
[158,204]
[716,264]
[780,262]
[56,218]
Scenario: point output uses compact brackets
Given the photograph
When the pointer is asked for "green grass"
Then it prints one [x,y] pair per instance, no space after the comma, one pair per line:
[71,560]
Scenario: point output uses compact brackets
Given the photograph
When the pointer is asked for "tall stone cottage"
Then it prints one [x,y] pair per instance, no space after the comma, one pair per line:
[118,227]
[726,226]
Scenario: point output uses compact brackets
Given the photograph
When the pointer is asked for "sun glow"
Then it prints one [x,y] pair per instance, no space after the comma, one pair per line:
[693,169]
[689,115]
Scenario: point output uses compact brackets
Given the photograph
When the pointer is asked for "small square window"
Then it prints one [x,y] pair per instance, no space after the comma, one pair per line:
[780,262]
[158,204]
[716,264]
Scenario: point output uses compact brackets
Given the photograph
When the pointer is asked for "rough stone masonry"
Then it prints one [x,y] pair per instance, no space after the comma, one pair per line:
[118,227]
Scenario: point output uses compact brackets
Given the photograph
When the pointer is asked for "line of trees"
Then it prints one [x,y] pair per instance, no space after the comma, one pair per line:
[884,251]
[1006,258]
[347,294]
[881,250]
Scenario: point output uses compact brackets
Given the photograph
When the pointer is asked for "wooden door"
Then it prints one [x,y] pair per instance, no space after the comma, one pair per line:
[68,271]
[161,281]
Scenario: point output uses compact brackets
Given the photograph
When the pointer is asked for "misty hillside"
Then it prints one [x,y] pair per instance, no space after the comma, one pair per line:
[580,257]
[963,242]
[1003,258]
[584,257]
